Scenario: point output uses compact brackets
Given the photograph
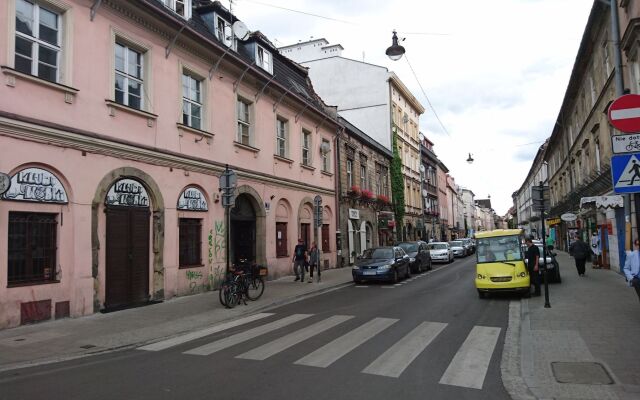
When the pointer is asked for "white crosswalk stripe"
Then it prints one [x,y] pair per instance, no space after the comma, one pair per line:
[333,351]
[272,348]
[221,344]
[165,344]
[469,366]
[395,360]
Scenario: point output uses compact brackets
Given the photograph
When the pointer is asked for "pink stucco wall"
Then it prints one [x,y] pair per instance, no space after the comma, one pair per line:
[80,167]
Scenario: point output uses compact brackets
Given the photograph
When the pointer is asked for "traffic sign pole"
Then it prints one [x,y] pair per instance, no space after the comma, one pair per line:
[541,197]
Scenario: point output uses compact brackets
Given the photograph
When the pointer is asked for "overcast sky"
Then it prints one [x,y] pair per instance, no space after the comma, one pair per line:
[494,70]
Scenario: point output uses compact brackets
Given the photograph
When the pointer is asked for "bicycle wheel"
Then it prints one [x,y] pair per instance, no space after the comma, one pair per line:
[255,288]
[228,294]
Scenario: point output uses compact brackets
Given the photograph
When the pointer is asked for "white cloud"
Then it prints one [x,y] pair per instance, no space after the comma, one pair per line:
[496,79]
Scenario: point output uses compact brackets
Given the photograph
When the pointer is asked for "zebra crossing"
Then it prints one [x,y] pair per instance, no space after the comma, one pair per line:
[401,283]
[467,369]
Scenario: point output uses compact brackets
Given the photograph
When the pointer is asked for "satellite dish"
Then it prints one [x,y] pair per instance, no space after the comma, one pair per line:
[240,30]
[421,168]
[421,136]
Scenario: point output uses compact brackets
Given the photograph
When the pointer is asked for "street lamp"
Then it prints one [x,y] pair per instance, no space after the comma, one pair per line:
[395,51]
[470,159]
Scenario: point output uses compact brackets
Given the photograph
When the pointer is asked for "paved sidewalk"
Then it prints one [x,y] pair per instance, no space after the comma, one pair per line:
[78,337]
[592,319]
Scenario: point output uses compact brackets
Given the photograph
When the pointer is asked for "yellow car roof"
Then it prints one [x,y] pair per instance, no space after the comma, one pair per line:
[499,232]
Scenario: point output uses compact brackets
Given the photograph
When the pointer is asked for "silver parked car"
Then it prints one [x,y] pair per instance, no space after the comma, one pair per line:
[441,252]
[458,248]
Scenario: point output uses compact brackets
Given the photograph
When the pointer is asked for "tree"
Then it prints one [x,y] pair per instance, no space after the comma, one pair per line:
[397,187]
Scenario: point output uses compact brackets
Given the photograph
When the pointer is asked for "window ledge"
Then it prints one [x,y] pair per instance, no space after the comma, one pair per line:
[309,167]
[21,284]
[327,173]
[195,131]
[69,92]
[191,266]
[283,159]
[113,105]
[246,147]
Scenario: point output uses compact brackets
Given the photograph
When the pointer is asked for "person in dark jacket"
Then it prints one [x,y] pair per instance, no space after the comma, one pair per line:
[580,251]
[533,257]
[314,261]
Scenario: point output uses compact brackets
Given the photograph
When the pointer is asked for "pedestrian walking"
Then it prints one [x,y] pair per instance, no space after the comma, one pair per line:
[299,258]
[632,267]
[314,261]
[580,251]
[533,257]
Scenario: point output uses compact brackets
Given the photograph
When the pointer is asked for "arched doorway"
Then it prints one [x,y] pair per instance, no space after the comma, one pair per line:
[243,230]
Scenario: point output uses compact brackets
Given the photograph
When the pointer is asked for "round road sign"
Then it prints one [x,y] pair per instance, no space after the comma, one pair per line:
[624,113]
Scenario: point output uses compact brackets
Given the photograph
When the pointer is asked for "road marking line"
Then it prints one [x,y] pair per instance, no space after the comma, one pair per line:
[625,113]
[222,344]
[469,366]
[165,344]
[274,347]
[333,351]
[398,284]
[398,357]
[362,286]
[388,287]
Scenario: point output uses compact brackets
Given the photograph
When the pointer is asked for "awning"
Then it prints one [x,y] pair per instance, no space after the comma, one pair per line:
[602,201]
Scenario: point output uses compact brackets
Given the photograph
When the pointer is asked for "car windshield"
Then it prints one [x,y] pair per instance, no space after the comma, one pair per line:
[456,243]
[438,246]
[409,247]
[499,249]
[377,253]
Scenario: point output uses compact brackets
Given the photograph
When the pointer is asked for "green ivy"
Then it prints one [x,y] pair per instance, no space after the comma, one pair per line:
[397,187]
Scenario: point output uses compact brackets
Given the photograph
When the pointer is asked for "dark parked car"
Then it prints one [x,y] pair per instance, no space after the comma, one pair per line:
[381,264]
[419,255]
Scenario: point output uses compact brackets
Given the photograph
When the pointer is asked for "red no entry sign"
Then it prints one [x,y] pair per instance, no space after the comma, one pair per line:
[624,113]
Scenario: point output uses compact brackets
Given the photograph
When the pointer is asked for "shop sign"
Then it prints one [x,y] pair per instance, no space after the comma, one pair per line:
[553,221]
[568,217]
[192,199]
[38,185]
[354,214]
[128,193]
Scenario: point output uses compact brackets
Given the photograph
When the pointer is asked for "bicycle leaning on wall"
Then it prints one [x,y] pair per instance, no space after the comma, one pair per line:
[244,281]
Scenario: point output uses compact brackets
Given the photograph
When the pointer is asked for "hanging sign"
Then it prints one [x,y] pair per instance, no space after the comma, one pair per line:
[128,193]
[36,184]
[192,199]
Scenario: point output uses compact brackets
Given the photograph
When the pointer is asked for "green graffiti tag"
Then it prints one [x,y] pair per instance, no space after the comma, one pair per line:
[210,258]
[219,249]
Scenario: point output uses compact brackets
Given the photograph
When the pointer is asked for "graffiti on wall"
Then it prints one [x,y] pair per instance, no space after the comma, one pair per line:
[199,283]
[219,245]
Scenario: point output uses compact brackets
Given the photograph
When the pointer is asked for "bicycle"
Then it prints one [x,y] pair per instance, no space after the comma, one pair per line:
[243,282]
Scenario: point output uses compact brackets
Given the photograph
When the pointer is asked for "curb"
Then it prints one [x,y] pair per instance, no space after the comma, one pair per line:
[274,303]
[511,362]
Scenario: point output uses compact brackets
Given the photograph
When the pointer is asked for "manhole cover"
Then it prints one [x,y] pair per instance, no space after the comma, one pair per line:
[588,373]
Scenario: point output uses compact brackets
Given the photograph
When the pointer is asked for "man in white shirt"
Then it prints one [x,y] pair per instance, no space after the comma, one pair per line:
[632,267]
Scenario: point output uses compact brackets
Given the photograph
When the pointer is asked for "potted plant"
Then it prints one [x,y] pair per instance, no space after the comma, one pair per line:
[366,195]
[382,199]
[354,191]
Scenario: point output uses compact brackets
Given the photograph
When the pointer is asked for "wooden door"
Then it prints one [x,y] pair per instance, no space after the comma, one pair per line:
[127,257]
[305,234]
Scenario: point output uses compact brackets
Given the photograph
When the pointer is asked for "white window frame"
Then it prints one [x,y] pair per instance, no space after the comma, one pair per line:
[605,49]
[326,161]
[172,5]
[189,102]
[35,40]
[306,146]
[363,176]
[282,137]
[349,168]
[260,61]
[245,123]
[128,77]
[222,31]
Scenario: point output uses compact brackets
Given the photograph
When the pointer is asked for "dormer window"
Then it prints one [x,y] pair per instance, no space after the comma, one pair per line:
[223,31]
[180,7]
[263,59]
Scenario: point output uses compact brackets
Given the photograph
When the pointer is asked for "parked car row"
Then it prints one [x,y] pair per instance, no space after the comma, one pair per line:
[391,263]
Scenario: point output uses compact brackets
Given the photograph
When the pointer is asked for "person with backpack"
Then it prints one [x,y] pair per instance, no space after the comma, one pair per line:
[314,261]
[299,259]
[580,251]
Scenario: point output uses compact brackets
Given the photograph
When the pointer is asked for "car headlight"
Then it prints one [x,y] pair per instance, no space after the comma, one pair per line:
[411,259]
[384,267]
[523,274]
[356,267]
[480,276]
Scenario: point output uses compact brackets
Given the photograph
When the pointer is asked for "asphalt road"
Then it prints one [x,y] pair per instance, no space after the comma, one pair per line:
[428,337]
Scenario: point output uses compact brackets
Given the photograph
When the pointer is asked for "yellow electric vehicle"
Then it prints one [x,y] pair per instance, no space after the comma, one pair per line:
[500,262]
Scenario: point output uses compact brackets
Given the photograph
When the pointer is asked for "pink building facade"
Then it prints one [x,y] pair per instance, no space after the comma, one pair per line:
[117,119]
